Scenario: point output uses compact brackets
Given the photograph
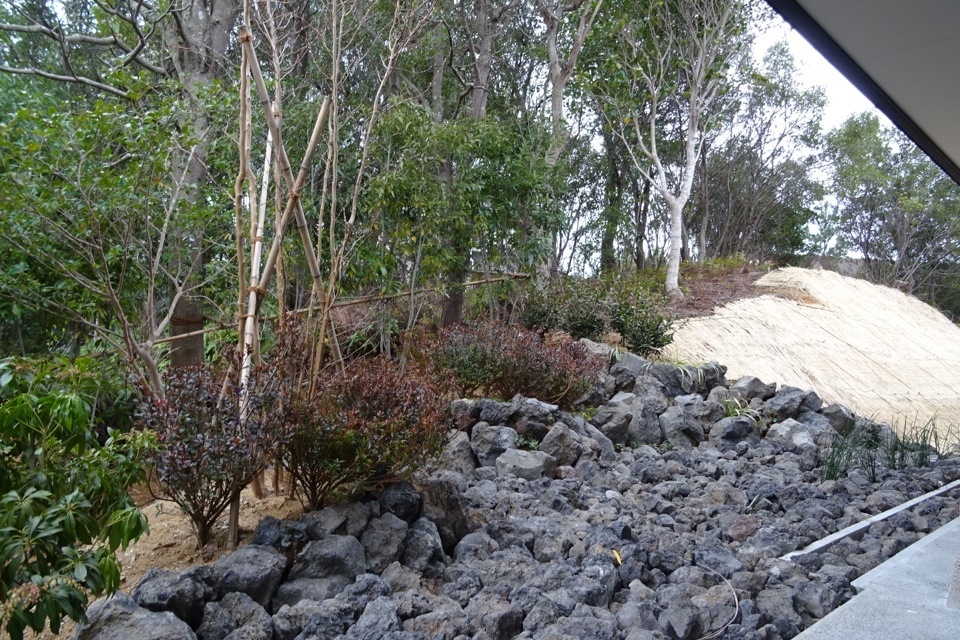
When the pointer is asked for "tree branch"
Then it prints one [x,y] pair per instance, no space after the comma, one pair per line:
[90,82]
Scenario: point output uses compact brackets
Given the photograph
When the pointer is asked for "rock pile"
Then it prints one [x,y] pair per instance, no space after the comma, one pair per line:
[665,515]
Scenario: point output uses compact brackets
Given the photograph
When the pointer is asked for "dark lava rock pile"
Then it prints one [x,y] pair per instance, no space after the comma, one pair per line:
[665,515]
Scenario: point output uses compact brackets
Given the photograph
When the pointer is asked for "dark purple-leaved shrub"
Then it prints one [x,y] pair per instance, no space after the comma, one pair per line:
[207,453]
[369,425]
[505,360]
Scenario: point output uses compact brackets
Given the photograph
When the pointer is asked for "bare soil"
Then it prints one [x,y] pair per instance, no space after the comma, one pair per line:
[708,287]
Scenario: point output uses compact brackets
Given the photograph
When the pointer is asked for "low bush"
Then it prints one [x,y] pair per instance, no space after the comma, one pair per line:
[360,428]
[504,360]
[64,506]
[591,308]
[208,451]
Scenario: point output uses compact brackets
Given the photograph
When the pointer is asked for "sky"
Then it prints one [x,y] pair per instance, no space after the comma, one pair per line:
[843,99]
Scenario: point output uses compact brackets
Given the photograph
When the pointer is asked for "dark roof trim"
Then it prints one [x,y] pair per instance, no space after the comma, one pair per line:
[811,30]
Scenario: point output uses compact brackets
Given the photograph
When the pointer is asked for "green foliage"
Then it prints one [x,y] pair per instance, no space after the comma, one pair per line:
[64,507]
[361,428]
[870,446]
[734,408]
[895,207]
[528,443]
[209,447]
[591,308]
[505,360]
[440,186]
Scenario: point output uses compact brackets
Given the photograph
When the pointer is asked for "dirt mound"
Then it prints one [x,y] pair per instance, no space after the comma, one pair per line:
[885,354]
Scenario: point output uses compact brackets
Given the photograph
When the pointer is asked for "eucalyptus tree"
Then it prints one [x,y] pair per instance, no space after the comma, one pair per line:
[896,207]
[657,84]
[757,189]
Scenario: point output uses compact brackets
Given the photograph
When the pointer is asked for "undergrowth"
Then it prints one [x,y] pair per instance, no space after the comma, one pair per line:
[594,308]
[494,360]
[871,447]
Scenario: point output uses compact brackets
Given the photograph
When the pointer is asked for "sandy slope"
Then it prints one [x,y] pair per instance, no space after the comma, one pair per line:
[882,352]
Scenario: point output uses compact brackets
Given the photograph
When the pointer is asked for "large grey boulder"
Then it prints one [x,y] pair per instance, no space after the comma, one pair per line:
[331,621]
[255,570]
[563,444]
[627,369]
[490,441]
[383,541]
[235,617]
[727,433]
[607,452]
[348,519]
[644,428]
[317,589]
[680,429]
[493,412]
[704,412]
[493,616]
[286,536]
[613,421]
[290,620]
[444,504]
[794,435]
[331,556]
[118,617]
[379,618]
[424,547]
[789,401]
[183,593]
[533,418]
[529,465]
[841,418]
[458,456]
[402,500]
[750,387]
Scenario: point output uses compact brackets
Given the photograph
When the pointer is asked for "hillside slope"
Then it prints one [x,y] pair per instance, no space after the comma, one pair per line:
[885,354]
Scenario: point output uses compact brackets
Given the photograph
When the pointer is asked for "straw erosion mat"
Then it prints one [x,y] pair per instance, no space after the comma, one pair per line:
[885,354]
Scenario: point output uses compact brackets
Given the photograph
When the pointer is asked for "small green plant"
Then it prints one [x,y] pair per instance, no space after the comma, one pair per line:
[64,506]
[871,446]
[505,360]
[587,413]
[735,408]
[527,442]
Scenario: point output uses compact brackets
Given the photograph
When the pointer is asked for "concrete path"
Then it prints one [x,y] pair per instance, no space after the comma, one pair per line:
[905,598]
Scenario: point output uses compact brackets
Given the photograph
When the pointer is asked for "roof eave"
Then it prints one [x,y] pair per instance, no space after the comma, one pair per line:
[816,35]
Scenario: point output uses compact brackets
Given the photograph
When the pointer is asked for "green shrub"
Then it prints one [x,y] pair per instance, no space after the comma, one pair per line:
[64,506]
[207,451]
[505,360]
[364,427]
[594,307]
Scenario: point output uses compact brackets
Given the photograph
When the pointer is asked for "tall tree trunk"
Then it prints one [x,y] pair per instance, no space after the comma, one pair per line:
[705,206]
[612,208]
[641,210]
[481,49]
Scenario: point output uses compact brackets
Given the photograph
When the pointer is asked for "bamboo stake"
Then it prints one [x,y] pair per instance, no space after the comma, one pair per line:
[294,185]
